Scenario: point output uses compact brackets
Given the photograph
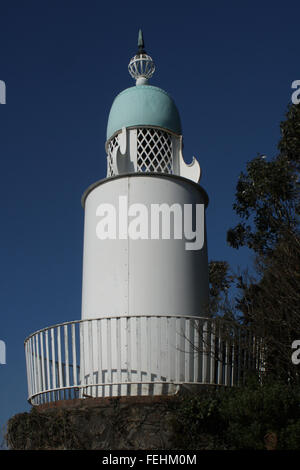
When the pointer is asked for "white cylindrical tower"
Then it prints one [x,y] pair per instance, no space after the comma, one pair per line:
[145,250]
[147,271]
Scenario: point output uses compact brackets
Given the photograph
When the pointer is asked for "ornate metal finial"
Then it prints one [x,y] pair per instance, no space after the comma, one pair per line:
[141,67]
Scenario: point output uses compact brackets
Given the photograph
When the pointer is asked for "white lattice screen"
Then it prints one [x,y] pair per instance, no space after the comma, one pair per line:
[154,152]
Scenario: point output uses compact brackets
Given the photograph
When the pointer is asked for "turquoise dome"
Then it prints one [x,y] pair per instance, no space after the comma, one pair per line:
[143,105]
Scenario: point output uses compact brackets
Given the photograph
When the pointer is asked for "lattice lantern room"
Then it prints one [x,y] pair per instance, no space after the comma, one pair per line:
[144,327]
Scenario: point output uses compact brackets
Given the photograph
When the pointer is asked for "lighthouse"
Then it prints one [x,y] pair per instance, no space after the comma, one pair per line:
[144,327]
[145,256]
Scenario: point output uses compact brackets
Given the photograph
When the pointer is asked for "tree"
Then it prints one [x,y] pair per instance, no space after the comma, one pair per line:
[268,194]
[220,281]
[268,203]
[272,305]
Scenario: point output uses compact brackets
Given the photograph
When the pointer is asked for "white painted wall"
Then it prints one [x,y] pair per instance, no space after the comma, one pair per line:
[142,277]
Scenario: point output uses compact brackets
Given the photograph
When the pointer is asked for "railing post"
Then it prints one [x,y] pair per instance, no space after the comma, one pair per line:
[74,359]
[82,358]
[100,367]
[60,377]
[138,349]
[118,352]
[67,370]
[90,347]
[212,351]
[42,362]
[109,354]
[128,346]
[34,367]
[204,354]
[27,356]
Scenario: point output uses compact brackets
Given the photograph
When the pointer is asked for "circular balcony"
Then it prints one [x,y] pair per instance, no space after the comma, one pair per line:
[137,355]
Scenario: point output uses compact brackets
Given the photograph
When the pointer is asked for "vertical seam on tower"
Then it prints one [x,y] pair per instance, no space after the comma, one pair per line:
[128,244]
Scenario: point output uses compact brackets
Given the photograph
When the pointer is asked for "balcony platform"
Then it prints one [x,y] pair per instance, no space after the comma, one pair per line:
[137,356]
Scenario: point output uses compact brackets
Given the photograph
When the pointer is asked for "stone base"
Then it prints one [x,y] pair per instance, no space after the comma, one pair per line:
[100,423]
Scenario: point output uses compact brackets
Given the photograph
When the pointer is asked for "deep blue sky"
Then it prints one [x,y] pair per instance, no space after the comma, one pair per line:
[229,67]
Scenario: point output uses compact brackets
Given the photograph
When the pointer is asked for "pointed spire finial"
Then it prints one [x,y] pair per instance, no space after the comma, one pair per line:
[141,44]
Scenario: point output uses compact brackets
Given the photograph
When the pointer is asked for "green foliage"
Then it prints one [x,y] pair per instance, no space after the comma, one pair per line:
[42,431]
[290,435]
[198,423]
[289,144]
[220,281]
[241,418]
[267,196]
[219,278]
[253,412]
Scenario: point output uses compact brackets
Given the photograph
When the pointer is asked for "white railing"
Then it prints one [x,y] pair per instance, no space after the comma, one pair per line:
[136,355]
